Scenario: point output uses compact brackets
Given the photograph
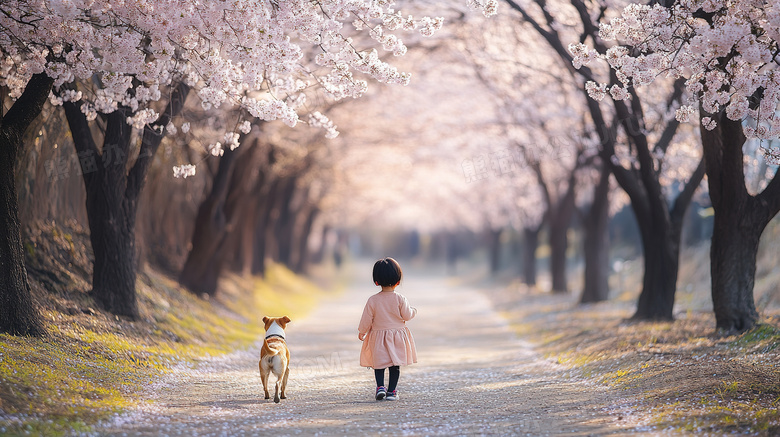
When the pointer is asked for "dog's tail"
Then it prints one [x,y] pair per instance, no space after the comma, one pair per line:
[273,346]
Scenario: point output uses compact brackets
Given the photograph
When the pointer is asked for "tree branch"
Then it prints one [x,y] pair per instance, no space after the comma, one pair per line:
[28,105]
[686,195]
[151,139]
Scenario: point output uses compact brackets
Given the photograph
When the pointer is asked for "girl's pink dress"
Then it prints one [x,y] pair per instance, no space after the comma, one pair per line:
[389,341]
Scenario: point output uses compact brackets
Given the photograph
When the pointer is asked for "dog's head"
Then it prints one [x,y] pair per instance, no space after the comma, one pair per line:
[281,321]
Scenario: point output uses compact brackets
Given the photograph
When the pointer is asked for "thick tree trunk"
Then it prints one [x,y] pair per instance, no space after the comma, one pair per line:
[596,245]
[494,246]
[530,244]
[661,249]
[739,221]
[733,268]
[112,233]
[18,313]
[112,221]
[112,197]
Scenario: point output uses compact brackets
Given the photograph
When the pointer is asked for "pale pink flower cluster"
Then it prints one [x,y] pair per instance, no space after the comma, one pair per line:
[269,110]
[184,171]
[225,49]
[771,155]
[231,140]
[142,118]
[726,50]
[317,119]
[241,53]
[488,7]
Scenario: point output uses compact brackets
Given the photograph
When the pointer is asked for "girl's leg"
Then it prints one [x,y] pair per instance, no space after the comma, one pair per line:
[395,373]
[379,374]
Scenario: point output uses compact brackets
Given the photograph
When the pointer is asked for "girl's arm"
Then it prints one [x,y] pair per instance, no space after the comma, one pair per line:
[407,311]
[365,321]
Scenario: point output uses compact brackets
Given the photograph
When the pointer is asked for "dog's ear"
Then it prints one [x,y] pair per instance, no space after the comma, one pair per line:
[265,319]
[286,320]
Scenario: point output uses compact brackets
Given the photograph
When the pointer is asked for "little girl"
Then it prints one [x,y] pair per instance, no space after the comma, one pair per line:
[387,342]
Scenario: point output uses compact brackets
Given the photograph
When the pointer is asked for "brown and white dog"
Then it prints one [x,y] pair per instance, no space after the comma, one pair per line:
[274,356]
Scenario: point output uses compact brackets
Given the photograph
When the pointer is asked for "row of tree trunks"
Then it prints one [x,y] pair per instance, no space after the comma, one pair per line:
[18,313]
[201,269]
[250,215]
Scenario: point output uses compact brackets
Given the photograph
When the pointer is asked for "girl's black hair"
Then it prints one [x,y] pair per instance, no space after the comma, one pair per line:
[387,272]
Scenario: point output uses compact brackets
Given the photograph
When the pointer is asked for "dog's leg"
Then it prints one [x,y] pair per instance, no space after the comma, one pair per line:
[276,392]
[284,382]
[264,378]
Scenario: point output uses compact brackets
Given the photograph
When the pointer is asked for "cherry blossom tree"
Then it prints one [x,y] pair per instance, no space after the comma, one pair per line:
[542,107]
[245,54]
[726,54]
[638,173]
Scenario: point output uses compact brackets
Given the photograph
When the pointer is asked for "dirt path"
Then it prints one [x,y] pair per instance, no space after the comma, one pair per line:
[474,377]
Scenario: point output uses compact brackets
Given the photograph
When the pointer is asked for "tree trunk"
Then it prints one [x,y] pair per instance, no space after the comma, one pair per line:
[733,268]
[112,220]
[303,257]
[18,313]
[659,223]
[199,273]
[560,210]
[112,197]
[739,221]
[530,244]
[494,245]
[560,219]
[559,242]
[596,245]
[112,233]
[284,222]
[661,249]
[264,227]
